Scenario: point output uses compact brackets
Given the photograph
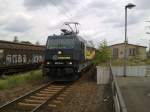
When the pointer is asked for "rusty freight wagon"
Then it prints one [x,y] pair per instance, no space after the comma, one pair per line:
[17,57]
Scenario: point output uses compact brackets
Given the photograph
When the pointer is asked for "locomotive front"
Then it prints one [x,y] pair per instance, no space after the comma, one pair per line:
[61,58]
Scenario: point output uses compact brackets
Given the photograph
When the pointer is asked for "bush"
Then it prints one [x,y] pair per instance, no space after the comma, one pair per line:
[103,53]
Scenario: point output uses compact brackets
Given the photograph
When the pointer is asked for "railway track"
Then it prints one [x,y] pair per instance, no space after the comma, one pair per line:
[46,96]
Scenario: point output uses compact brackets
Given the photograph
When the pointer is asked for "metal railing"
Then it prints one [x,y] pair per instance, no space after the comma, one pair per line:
[119,105]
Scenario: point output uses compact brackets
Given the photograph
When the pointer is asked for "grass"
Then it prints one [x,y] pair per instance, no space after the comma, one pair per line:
[7,82]
[130,62]
[148,61]
[120,62]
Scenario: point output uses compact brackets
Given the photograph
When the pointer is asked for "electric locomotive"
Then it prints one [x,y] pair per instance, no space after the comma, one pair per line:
[66,55]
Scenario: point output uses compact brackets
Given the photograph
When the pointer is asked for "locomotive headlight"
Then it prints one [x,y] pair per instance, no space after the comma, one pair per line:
[70,63]
[48,63]
[59,52]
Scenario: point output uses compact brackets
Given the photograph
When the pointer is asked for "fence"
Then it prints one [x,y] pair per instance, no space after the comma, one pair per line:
[119,104]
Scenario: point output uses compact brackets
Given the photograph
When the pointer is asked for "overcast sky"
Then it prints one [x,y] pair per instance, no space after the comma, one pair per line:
[34,20]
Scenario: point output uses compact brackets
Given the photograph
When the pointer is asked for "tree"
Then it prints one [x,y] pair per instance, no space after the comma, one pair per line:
[103,52]
[16,39]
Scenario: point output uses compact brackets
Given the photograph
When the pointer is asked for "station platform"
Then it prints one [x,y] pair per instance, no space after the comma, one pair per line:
[135,92]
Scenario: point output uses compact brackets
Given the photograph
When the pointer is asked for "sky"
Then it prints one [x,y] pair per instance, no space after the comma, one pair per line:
[35,20]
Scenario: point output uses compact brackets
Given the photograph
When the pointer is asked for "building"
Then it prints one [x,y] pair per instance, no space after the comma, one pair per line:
[117,51]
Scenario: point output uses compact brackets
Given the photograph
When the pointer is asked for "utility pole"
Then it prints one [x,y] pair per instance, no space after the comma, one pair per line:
[128,6]
[149,49]
[149,40]
[125,43]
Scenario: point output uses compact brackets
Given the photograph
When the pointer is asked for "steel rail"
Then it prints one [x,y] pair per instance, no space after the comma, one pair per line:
[49,99]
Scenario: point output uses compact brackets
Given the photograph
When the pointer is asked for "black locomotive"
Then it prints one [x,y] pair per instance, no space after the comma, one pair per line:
[66,55]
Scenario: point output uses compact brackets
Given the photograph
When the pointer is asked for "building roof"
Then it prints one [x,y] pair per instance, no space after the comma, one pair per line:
[14,45]
[128,44]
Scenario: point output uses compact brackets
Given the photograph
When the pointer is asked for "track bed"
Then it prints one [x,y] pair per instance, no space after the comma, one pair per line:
[37,99]
[87,96]
[83,95]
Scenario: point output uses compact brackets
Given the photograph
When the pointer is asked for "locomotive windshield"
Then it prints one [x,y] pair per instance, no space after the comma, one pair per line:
[60,43]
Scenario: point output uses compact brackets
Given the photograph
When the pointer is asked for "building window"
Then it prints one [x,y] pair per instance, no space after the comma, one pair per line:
[115,52]
[132,51]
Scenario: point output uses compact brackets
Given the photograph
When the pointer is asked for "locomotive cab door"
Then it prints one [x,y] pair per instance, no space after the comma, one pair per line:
[82,51]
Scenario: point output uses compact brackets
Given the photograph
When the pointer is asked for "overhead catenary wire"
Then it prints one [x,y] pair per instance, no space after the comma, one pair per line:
[67,14]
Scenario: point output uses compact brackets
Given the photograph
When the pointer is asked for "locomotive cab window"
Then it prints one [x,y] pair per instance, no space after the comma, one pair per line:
[60,43]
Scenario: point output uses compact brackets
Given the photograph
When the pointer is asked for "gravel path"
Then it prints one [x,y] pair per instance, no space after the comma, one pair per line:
[87,96]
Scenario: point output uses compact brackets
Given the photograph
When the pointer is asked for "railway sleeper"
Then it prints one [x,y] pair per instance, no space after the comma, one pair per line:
[33,105]
[39,98]
[52,90]
[55,88]
[44,94]
[33,101]
[52,105]
[57,101]
[47,92]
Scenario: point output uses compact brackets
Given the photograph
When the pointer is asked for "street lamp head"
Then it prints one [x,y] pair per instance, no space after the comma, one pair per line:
[130,6]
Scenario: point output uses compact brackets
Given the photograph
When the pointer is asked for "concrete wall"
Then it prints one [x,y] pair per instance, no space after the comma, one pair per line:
[103,76]
[103,73]
[131,70]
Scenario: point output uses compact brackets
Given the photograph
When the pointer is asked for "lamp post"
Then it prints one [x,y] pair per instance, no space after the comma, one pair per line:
[128,6]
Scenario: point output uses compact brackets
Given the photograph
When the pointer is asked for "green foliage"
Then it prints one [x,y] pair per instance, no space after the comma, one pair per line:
[130,62]
[20,79]
[147,61]
[103,53]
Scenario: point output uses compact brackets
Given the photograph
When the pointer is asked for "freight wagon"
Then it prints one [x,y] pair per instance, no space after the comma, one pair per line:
[17,57]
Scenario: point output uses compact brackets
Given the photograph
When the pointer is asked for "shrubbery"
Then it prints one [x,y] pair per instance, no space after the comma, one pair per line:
[102,53]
